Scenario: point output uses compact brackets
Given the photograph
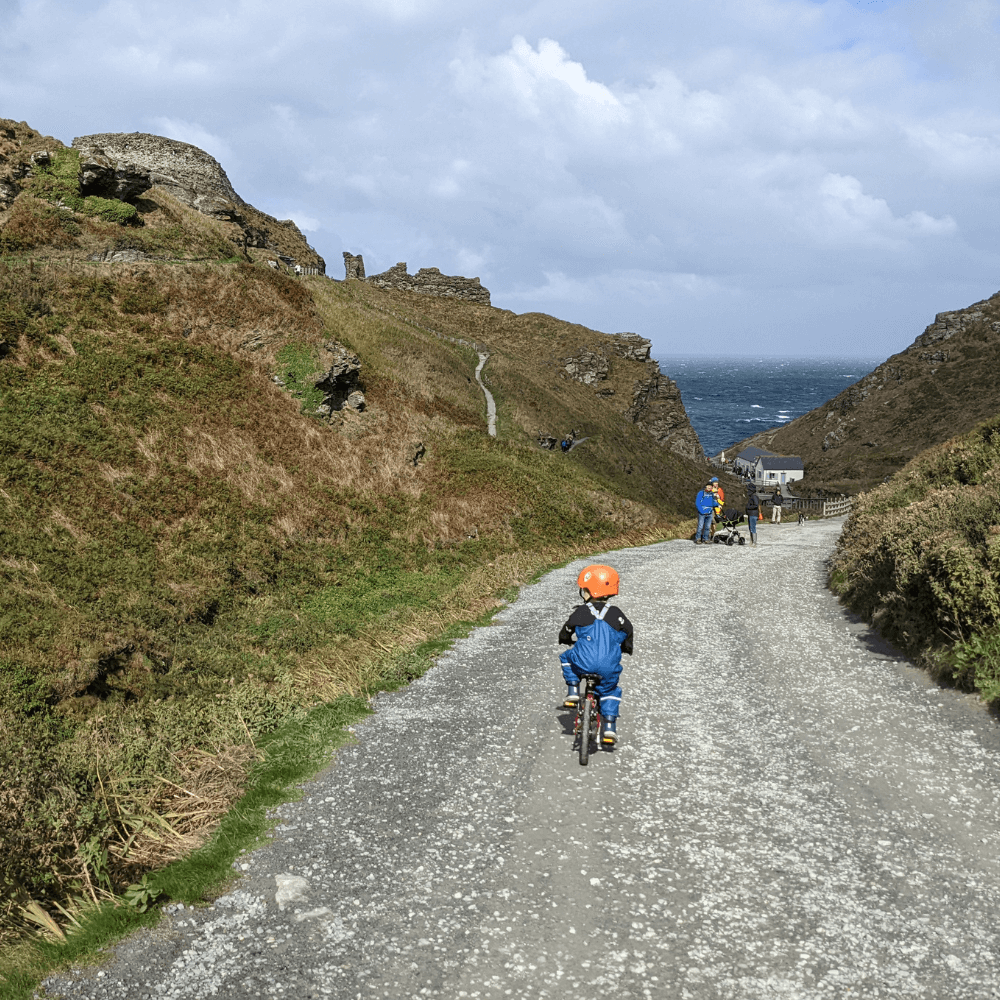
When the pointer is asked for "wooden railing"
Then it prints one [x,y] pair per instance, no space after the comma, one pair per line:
[834,508]
[825,508]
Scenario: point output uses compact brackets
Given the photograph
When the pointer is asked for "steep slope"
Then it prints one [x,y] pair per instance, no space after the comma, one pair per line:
[206,527]
[943,384]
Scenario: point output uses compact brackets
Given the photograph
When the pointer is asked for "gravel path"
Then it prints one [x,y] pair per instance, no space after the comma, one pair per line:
[491,406]
[792,812]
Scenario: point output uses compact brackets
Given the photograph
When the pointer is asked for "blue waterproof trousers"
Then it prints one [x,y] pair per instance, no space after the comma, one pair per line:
[704,530]
[607,690]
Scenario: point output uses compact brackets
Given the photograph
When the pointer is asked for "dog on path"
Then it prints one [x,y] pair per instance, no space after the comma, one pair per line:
[802,518]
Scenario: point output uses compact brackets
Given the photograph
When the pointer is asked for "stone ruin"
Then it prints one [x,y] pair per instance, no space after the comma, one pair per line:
[354,266]
[427,281]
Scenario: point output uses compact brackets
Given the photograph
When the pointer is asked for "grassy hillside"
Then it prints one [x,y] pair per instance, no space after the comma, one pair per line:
[941,385]
[191,555]
[920,559]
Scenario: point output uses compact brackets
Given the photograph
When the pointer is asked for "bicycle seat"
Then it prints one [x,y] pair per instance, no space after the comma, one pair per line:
[591,677]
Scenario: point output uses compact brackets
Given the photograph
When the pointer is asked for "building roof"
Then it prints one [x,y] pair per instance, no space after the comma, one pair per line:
[749,454]
[786,463]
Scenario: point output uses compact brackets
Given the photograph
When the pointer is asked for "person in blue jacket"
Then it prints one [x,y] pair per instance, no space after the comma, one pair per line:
[705,503]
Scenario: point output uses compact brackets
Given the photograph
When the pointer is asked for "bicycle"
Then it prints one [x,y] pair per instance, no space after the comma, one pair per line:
[588,716]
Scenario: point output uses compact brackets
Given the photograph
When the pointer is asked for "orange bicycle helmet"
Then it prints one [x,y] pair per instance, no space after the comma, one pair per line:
[601,581]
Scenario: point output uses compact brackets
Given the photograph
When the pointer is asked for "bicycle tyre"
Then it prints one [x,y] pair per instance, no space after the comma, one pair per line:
[584,729]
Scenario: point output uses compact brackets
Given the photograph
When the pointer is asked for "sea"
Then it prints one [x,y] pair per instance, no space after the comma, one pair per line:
[728,399]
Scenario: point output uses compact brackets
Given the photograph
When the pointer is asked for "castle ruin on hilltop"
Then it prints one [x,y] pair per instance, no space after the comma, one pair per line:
[427,281]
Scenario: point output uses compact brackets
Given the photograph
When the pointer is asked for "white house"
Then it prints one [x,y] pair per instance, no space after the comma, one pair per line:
[777,469]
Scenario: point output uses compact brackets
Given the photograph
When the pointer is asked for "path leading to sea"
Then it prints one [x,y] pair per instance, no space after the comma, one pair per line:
[793,812]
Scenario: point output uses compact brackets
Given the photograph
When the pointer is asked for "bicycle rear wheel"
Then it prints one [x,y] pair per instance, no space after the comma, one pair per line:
[585,726]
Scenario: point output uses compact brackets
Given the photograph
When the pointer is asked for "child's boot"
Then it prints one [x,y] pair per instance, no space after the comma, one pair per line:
[610,733]
[572,694]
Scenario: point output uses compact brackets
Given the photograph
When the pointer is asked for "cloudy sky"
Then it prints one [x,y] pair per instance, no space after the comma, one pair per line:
[723,176]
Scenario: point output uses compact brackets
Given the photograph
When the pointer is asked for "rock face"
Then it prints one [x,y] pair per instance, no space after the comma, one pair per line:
[100,176]
[651,400]
[430,281]
[339,383]
[657,407]
[188,173]
[587,367]
[631,346]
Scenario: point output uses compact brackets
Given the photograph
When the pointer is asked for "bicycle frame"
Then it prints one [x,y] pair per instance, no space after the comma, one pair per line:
[588,717]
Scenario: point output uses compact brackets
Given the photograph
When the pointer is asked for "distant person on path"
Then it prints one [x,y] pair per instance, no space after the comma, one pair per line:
[753,512]
[601,633]
[776,501]
[704,503]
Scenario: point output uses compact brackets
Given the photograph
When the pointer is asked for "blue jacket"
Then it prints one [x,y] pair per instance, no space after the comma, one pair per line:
[705,502]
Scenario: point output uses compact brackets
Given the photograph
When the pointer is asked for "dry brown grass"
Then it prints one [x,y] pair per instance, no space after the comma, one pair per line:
[31,223]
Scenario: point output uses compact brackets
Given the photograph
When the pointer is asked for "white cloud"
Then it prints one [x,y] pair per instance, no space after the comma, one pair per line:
[654,165]
[848,212]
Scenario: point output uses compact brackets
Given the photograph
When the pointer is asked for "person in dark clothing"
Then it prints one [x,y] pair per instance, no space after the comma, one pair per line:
[776,503]
[597,633]
[753,512]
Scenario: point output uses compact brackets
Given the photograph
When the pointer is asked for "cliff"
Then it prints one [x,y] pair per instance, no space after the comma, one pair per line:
[943,384]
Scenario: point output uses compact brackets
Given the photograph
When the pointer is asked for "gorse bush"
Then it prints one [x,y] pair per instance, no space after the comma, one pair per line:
[920,557]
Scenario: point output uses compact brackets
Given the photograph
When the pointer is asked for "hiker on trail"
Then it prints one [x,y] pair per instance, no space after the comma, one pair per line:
[597,634]
[776,501]
[704,503]
[753,512]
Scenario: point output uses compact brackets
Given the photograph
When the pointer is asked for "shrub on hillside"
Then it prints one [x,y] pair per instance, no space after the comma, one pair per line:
[33,223]
[920,555]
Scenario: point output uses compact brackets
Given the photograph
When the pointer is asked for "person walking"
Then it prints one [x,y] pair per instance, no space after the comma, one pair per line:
[753,512]
[776,503]
[704,503]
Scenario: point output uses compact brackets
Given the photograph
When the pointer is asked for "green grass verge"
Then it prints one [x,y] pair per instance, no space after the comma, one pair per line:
[293,753]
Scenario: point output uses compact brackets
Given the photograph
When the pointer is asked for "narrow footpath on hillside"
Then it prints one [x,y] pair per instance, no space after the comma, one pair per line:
[491,406]
[793,812]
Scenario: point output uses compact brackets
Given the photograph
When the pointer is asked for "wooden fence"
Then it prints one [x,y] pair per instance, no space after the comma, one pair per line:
[825,508]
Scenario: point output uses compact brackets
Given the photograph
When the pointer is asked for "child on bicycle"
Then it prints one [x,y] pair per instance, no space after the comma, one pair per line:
[602,634]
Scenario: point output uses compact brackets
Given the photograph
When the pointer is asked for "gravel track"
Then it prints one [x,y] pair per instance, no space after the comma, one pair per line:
[793,812]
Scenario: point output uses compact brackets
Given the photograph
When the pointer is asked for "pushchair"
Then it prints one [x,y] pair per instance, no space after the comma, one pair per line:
[726,530]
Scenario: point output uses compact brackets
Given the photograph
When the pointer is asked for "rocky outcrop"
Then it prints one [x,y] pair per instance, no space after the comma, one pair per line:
[339,383]
[658,408]
[430,281]
[655,400]
[106,179]
[587,367]
[947,324]
[188,173]
[125,165]
[631,346]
